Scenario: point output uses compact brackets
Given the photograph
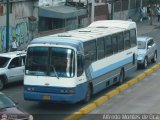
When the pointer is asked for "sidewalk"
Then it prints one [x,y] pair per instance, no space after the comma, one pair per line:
[144,27]
[139,102]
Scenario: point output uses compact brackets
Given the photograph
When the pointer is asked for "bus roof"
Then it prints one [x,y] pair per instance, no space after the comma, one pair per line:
[114,23]
[93,31]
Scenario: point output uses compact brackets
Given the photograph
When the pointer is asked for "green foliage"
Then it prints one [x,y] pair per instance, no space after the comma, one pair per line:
[153,2]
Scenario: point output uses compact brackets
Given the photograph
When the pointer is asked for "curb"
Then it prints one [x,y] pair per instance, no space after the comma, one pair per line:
[90,107]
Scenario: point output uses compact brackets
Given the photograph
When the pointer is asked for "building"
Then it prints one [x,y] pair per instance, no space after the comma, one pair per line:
[20,19]
[61,15]
[35,18]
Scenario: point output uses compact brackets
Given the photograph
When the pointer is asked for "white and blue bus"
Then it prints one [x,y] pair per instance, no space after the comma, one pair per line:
[74,65]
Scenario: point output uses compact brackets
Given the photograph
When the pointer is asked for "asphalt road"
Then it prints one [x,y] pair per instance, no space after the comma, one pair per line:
[52,111]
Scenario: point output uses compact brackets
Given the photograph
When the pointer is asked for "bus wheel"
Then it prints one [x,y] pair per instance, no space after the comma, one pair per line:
[121,77]
[1,84]
[88,95]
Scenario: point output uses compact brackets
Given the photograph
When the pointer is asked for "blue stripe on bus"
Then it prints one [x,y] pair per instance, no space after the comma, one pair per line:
[55,94]
[59,41]
[110,67]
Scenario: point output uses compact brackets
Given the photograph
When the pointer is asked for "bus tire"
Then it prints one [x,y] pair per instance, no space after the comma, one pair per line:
[121,77]
[88,95]
[1,84]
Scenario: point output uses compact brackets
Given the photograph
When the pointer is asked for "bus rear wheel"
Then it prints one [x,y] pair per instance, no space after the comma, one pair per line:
[121,77]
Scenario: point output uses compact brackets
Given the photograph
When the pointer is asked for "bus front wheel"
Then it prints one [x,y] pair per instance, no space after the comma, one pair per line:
[88,95]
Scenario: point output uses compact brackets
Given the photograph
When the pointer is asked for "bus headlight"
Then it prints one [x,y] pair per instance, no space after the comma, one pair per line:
[68,91]
[29,88]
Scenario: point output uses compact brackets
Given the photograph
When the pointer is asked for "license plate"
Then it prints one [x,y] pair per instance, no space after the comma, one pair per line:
[46,97]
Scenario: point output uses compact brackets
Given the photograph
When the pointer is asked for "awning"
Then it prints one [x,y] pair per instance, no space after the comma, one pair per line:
[61,12]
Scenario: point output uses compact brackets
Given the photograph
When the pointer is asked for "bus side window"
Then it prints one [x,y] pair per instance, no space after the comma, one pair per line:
[93,50]
[79,65]
[133,37]
[90,52]
[100,48]
[127,42]
[114,44]
[120,42]
[108,46]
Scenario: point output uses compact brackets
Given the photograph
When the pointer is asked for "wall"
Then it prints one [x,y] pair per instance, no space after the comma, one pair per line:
[122,15]
[46,3]
[20,31]
[19,25]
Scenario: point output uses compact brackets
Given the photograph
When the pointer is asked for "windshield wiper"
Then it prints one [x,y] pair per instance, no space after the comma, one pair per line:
[55,71]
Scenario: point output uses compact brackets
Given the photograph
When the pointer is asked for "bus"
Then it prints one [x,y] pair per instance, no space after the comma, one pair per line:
[72,66]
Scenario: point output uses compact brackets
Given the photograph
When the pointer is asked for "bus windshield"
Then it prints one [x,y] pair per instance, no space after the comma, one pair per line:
[50,61]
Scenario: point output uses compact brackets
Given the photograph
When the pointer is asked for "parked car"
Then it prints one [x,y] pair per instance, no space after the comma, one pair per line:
[11,67]
[9,110]
[147,51]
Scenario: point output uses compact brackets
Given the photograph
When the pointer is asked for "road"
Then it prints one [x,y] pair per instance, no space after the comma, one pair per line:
[52,111]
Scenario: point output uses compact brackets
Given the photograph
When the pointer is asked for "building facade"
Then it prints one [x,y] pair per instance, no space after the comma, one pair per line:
[35,18]
[20,19]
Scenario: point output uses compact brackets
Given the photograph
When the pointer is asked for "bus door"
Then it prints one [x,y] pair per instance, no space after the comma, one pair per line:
[80,69]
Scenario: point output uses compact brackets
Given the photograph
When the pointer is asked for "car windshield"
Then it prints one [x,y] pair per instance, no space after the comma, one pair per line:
[6,102]
[55,62]
[4,61]
[141,44]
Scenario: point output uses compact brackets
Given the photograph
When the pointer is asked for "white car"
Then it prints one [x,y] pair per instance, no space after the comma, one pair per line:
[147,51]
[11,67]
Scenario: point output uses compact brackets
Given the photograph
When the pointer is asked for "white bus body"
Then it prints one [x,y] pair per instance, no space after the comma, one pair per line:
[72,66]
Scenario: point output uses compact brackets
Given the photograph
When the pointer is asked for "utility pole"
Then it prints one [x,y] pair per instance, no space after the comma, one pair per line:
[112,8]
[7,27]
[93,10]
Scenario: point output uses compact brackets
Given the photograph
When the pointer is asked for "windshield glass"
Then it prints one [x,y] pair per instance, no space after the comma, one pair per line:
[55,62]
[4,61]
[5,102]
[141,45]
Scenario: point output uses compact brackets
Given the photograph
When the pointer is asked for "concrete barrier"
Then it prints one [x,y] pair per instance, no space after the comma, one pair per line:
[88,108]
[101,100]
[122,87]
[141,76]
[148,72]
[74,116]
[156,67]
[132,82]
[112,93]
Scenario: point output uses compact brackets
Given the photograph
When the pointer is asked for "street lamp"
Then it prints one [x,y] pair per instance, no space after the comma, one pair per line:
[112,9]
